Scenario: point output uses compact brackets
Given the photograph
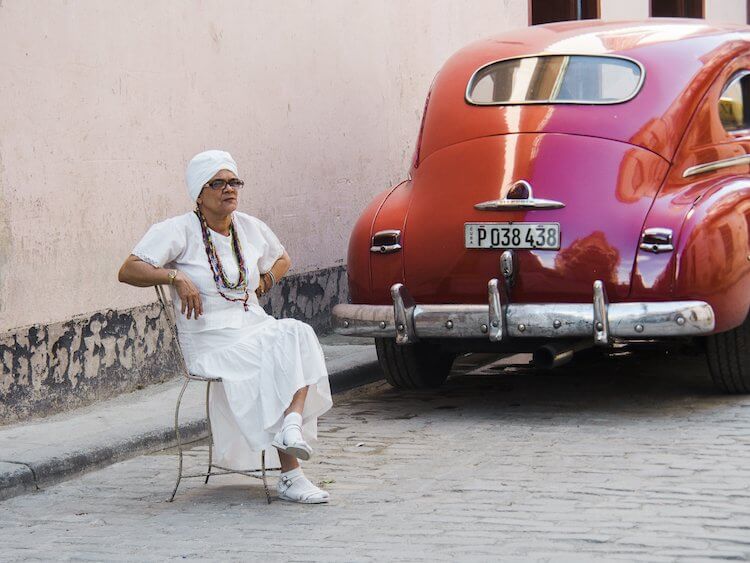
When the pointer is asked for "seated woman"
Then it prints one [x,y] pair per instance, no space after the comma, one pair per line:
[217,261]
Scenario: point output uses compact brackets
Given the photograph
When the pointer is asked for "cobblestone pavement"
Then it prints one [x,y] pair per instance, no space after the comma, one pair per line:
[619,459]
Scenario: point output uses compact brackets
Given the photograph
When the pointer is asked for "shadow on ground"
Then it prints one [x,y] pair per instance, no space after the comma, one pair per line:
[646,382]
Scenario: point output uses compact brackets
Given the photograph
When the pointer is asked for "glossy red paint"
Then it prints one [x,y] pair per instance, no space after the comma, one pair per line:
[586,174]
[618,169]
[713,249]
[678,58]
[387,269]
[708,213]
[358,258]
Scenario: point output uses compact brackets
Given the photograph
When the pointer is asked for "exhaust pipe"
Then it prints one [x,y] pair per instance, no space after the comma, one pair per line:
[556,354]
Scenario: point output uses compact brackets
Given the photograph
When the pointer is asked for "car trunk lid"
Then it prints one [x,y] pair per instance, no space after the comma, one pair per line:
[605,189]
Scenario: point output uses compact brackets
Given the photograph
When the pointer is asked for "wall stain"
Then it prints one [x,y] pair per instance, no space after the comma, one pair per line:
[47,369]
[51,368]
[308,297]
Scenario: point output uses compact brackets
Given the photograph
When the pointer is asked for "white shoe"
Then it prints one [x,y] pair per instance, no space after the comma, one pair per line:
[289,441]
[295,487]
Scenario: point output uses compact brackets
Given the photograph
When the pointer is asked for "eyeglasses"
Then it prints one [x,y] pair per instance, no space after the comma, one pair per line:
[234,183]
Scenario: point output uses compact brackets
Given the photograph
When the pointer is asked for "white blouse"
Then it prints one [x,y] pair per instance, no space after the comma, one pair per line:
[178,243]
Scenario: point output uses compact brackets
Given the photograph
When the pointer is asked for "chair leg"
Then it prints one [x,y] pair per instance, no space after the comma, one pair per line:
[177,435]
[210,433]
[263,474]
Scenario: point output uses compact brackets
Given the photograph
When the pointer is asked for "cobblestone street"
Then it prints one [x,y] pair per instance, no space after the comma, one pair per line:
[622,458]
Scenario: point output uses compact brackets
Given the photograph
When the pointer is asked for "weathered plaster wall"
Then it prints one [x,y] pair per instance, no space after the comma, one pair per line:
[5,247]
[102,104]
[732,11]
[621,10]
[48,368]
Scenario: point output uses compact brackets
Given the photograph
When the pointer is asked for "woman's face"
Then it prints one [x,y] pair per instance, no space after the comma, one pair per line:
[219,201]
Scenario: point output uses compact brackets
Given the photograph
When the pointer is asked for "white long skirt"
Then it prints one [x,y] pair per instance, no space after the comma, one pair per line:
[261,365]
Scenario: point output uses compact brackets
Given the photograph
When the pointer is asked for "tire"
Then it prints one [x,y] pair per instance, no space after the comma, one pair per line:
[413,366]
[728,355]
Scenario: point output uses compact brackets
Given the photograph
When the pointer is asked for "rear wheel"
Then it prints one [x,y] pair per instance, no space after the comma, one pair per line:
[728,356]
[413,366]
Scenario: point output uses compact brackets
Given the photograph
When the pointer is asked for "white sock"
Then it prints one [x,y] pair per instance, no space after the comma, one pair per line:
[292,472]
[290,428]
[292,418]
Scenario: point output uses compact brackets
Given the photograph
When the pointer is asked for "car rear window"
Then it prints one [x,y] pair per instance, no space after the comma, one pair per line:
[556,79]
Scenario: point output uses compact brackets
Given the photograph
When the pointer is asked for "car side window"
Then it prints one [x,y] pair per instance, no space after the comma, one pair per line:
[556,79]
[734,103]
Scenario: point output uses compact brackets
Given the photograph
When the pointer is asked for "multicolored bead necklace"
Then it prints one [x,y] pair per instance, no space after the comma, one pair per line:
[220,278]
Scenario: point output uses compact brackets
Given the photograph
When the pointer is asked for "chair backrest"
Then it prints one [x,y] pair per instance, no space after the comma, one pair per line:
[166,306]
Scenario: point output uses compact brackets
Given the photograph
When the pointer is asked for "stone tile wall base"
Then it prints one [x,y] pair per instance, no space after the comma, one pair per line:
[309,297]
[60,366]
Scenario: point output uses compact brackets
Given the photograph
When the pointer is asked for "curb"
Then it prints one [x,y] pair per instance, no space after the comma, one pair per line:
[17,478]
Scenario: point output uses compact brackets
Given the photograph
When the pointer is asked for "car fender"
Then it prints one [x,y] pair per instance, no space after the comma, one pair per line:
[712,254]
[385,212]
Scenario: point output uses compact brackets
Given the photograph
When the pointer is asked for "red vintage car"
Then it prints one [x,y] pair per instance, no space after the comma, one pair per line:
[573,185]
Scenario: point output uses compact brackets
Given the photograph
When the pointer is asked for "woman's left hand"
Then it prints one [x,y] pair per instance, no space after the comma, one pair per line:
[279,268]
[263,285]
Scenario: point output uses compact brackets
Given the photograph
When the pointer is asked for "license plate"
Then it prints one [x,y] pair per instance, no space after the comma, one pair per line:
[544,236]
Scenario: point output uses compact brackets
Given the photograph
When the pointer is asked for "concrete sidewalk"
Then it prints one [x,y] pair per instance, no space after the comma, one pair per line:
[37,454]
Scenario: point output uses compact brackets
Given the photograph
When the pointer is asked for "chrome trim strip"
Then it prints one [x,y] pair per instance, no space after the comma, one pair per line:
[716,165]
[601,315]
[518,204]
[636,321]
[656,248]
[577,102]
[385,248]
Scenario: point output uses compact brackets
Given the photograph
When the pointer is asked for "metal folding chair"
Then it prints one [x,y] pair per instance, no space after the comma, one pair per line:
[255,473]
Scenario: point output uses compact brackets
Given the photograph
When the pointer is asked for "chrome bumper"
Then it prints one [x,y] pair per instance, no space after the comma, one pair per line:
[408,322]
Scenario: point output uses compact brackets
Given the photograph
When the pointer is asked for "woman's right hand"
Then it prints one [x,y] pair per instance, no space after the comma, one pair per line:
[190,297]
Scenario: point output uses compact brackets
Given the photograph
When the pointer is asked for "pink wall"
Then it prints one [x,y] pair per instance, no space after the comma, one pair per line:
[102,104]
[733,11]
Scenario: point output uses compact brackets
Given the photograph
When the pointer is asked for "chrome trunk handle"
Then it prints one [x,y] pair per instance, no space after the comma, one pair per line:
[518,197]
[518,204]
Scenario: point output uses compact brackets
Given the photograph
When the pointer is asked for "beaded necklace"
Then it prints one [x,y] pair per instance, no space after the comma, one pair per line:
[214,261]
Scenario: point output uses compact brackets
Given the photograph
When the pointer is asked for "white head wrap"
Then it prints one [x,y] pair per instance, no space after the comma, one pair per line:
[204,166]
